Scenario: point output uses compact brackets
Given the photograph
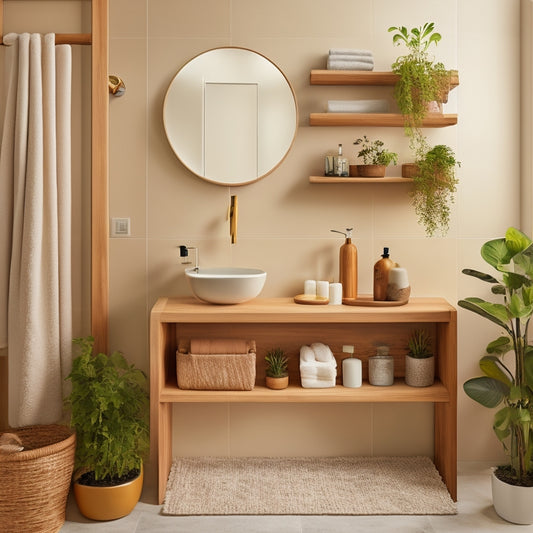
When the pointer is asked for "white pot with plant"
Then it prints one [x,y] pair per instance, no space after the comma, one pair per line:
[375,157]
[509,387]
[420,360]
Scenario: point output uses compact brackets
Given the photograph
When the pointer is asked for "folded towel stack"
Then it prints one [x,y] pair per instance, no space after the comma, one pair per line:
[318,367]
[358,106]
[350,59]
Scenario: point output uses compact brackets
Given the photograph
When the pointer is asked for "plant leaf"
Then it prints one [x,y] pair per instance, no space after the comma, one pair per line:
[516,241]
[496,253]
[496,313]
[492,367]
[487,391]
[479,275]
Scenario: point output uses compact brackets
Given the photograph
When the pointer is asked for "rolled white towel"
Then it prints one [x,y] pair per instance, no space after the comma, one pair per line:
[349,51]
[317,383]
[307,354]
[318,370]
[358,106]
[323,353]
[339,64]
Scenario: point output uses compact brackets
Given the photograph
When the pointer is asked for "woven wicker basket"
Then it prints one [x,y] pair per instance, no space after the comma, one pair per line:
[35,482]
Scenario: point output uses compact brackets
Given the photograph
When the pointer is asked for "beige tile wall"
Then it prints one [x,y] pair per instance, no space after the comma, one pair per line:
[284,221]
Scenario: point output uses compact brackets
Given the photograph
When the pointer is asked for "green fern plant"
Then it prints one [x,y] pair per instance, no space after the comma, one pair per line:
[277,363]
[109,411]
[373,152]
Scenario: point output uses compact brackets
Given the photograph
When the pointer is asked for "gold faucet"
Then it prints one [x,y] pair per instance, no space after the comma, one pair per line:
[233,215]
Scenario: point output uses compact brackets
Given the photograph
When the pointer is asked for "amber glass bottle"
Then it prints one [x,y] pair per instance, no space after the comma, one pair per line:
[381,275]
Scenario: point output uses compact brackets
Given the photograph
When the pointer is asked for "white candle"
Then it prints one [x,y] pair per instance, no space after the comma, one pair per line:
[352,375]
[335,294]
[322,289]
[398,277]
[310,287]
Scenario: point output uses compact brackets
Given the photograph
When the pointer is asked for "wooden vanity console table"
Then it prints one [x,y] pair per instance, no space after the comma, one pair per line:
[281,322]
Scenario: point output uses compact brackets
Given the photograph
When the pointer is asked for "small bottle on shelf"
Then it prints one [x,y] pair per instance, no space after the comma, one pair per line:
[341,164]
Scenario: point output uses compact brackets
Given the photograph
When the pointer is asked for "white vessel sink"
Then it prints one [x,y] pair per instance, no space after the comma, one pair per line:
[226,285]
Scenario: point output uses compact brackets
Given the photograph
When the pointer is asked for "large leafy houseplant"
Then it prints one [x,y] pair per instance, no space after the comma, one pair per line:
[109,411]
[509,387]
[435,183]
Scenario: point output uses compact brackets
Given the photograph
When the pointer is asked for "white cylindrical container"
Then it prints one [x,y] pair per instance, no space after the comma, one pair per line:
[335,293]
[322,289]
[398,277]
[352,373]
[310,287]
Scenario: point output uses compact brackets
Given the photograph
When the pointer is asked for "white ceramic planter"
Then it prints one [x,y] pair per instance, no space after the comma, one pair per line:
[512,503]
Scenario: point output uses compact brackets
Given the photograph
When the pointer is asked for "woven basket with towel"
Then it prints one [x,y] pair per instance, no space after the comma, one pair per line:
[216,364]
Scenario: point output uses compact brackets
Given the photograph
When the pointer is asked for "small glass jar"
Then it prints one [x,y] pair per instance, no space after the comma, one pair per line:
[381,368]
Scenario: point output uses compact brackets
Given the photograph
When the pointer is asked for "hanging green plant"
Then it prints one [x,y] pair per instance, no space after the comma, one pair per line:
[434,186]
[421,79]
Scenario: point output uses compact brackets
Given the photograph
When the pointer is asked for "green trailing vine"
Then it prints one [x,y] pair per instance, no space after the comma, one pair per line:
[109,411]
[434,187]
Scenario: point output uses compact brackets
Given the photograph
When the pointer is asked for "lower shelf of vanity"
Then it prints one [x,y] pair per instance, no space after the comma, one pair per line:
[399,392]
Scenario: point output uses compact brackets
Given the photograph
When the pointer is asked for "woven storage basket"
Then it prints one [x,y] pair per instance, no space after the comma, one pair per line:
[35,482]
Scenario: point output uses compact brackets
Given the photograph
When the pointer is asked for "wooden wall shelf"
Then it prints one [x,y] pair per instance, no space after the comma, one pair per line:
[359,180]
[292,325]
[378,119]
[360,77]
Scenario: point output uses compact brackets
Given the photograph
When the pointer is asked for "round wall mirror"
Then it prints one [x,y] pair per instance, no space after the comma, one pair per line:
[230,115]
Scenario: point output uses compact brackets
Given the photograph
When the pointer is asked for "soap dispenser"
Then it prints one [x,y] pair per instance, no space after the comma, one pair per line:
[348,265]
[381,275]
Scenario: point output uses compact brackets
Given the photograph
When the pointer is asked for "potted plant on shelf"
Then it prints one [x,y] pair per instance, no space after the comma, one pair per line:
[419,361]
[422,80]
[435,183]
[375,157]
[277,376]
[109,411]
[509,387]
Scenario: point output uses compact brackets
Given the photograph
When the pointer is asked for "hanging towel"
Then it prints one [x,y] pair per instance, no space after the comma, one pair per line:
[36,316]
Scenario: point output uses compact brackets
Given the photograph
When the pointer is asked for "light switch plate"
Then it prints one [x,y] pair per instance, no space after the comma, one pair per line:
[120,227]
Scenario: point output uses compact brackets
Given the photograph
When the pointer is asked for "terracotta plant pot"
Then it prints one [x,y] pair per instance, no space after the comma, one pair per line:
[419,372]
[409,170]
[108,503]
[511,502]
[371,171]
[277,383]
[353,171]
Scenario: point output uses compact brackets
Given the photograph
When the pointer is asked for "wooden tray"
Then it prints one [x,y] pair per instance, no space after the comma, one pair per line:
[368,301]
[310,299]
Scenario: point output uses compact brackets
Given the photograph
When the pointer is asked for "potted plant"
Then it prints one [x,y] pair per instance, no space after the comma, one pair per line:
[509,387]
[422,80]
[419,361]
[375,157]
[435,183]
[277,376]
[109,411]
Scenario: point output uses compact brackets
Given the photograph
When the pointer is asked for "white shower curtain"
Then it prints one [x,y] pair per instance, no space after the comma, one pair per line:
[35,227]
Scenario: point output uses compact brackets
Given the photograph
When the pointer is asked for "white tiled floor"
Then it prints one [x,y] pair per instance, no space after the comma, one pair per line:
[476,514]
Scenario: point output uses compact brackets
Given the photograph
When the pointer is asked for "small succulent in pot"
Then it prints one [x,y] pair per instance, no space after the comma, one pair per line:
[375,157]
[277,376]
[420,361]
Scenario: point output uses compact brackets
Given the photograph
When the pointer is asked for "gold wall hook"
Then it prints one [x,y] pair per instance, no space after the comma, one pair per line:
[116,85]
[233,216]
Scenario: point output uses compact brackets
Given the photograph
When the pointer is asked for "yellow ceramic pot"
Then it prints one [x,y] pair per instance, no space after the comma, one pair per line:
[108,503]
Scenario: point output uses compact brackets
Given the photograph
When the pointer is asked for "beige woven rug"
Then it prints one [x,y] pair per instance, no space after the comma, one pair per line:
[306,486]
